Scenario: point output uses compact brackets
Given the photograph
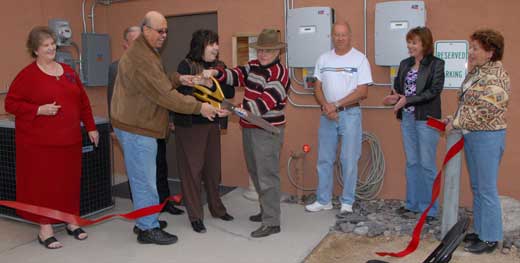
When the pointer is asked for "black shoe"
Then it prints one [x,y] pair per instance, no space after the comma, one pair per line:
[198,226]
[403,210]
[470,238]
[479,247]
[226,217]
[430,219]
[156,236]
[256,218]
[162,224]
[172,209]
[264,231]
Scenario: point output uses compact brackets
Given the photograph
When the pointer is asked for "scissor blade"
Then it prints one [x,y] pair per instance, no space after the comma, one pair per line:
[250,117]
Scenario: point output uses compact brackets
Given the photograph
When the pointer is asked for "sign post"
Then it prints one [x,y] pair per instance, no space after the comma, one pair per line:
[455,55]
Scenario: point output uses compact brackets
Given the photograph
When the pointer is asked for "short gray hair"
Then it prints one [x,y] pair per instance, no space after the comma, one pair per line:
[130,29]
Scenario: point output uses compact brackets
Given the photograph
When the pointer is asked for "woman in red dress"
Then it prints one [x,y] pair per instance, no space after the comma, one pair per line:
[48,102]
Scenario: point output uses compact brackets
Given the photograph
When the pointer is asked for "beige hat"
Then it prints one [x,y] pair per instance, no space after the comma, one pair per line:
[268,39]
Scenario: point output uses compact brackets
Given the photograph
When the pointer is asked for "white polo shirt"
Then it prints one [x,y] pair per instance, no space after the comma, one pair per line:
[340,75]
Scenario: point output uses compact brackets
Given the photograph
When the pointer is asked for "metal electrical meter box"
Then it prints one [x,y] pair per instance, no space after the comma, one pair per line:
[96,58]
[62,30]
[308,35]
[393,20]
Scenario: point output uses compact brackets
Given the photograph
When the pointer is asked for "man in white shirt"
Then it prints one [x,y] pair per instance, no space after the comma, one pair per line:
[343,75]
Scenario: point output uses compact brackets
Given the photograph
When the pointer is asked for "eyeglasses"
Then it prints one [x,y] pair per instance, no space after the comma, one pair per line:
[161,31]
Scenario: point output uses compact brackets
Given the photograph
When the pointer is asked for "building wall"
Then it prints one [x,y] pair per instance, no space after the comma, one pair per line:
[448,20]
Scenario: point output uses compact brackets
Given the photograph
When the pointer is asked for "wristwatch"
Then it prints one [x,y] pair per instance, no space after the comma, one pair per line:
[336,104]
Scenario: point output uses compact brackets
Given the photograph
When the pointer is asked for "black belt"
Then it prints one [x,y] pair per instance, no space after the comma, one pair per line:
[342,108]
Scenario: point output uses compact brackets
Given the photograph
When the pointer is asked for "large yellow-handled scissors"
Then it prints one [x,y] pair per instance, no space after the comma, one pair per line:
[216,98]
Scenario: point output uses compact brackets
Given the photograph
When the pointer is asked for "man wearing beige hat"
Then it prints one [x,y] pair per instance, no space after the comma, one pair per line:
[267,83]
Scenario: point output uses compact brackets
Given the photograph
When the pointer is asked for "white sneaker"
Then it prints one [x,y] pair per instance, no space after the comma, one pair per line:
[345,208]
[316,206]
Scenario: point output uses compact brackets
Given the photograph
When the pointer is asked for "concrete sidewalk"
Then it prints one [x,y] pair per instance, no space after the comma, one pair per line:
[114,241]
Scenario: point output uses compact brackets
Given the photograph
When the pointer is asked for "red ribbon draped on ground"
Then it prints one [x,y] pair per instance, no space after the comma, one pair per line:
[436,189]
[76,220]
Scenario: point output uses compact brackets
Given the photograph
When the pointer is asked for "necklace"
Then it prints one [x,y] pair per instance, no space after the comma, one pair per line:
[55,72]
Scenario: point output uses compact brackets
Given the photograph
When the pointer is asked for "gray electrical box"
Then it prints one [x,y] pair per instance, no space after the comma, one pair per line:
[393,21]
[65,57]
[96,58]
[308,35]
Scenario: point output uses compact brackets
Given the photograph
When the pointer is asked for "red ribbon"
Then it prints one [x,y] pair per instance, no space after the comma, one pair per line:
[76,220]
[436,189]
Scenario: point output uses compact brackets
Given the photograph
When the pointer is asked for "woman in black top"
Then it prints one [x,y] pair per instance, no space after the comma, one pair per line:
[198,139]
[416,96]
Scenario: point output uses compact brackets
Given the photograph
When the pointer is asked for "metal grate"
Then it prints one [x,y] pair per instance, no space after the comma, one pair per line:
[96,179]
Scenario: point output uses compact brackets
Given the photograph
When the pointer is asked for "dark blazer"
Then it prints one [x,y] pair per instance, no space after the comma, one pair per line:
[430,82]
[112,73]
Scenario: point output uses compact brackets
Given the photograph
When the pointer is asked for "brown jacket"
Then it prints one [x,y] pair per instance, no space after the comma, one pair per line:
[143,93]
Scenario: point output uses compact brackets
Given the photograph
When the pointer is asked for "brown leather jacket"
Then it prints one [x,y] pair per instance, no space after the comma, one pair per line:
[143,93]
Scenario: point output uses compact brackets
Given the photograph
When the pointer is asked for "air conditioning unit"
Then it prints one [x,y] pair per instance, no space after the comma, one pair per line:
[96,178]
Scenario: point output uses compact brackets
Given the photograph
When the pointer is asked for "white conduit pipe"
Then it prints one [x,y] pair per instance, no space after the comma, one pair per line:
[370,180]
[83,15]
[92,16]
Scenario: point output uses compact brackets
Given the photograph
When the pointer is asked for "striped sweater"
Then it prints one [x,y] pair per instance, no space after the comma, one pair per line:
[266,89]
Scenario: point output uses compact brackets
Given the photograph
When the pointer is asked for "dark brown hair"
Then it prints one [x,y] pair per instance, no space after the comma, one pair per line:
[490,40]
[425,35]
[36,37]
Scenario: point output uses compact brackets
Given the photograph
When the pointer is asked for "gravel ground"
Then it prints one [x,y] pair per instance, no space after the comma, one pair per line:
[341,247]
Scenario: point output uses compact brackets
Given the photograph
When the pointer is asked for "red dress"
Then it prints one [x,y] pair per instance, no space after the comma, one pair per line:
[48,148]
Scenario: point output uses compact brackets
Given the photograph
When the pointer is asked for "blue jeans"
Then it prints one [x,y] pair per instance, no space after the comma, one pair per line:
[483,151]
[420,147]
[140,156]
[348,126]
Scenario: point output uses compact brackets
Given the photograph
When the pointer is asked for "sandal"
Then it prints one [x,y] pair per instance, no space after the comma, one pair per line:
[47,242]
[76,233]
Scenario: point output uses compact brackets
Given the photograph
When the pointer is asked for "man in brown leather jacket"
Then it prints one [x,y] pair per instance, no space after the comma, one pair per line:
[143,95]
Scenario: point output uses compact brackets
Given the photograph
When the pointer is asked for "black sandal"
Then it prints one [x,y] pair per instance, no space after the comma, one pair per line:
[47,242]
[76,233]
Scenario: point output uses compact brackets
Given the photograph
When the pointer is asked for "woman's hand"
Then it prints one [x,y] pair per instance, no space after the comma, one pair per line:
[400,103]
[48,109]
[449,123]
[208,73]
[186,80]
[391,99]
[94,137]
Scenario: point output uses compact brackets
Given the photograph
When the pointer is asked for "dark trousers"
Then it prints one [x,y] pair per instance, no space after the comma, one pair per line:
[198,160]
[161,172]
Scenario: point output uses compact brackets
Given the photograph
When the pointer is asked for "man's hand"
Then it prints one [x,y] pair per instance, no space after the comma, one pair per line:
[332,116]
[208,111]
[328,108]
[223,113]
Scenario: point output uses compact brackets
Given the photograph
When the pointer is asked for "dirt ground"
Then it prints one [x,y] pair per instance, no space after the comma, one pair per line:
[345,248]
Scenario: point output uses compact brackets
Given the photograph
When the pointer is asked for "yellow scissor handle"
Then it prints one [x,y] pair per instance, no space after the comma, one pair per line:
[203,93]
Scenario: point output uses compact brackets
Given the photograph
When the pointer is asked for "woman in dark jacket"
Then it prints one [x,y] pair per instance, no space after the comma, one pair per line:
[198,139]
[416,96]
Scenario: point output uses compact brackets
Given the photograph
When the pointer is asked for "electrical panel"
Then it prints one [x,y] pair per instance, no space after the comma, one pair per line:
[96,58]
[393,20]
[308,35]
